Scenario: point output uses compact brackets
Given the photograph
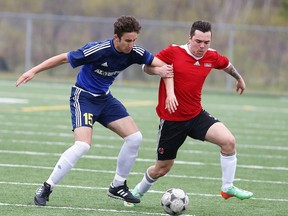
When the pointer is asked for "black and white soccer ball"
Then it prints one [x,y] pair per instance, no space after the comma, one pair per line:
[174,201]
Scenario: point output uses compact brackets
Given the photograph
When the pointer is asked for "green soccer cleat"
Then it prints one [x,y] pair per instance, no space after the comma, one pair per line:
[236,192]
[136,194]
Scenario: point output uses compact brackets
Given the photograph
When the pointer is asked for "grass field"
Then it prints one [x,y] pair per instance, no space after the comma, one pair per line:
[35,129]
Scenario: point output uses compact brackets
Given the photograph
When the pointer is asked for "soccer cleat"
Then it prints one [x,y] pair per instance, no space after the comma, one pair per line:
[136,194]
[122,192]
[236,192]
[42,194]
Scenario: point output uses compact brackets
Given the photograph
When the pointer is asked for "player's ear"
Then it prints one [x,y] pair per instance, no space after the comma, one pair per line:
[116,38]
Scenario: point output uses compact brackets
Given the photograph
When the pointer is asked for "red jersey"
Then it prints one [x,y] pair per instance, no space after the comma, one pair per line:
[190,73]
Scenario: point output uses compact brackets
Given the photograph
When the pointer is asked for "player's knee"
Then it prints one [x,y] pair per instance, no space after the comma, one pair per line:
[81,148]
[134,140]
[230,144]
[138,137]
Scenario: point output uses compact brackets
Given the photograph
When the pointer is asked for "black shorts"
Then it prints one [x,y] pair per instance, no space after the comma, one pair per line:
[172,134]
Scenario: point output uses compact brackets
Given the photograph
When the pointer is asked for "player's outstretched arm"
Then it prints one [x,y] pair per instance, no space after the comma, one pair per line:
[240,83]
[47,64]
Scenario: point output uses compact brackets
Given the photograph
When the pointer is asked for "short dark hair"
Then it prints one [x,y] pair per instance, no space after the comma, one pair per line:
[203,26]
[126,24]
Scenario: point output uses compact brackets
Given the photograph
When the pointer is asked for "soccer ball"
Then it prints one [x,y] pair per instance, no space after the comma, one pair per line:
[174,201]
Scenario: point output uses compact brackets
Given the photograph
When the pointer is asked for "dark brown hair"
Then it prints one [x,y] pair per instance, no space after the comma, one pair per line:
[126,24]
[202,26]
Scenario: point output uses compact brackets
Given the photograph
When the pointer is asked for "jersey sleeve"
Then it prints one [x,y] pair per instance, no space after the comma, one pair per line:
[142,56]
[149,59]
[222,61]
[166,55]
[79,57]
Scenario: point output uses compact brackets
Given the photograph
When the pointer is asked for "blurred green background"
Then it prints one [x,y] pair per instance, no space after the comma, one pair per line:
[253,34]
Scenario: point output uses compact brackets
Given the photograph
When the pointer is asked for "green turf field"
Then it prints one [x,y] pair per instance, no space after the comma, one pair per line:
[35,129]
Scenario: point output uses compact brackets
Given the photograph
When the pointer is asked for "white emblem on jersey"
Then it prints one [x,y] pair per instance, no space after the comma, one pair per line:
[104,64]
[197,63]
[207,65]
[107,73]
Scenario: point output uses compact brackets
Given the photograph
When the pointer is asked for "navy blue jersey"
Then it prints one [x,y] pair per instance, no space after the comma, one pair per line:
[101,64]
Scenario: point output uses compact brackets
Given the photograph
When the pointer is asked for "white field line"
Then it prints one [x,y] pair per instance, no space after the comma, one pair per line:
[275,127]
[281,139]
[150,191]
[125,212]
[23,166]
[247,108]
[96,137]
[273,130]
[12,101]
[278,137]
[186,151]
[114,158]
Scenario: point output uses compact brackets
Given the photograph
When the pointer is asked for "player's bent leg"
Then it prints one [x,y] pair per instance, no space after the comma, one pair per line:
[125,161]
[65,163]
[127,156]
[127,129]
[220,135]
[124,126]
[154,172]
[83,134]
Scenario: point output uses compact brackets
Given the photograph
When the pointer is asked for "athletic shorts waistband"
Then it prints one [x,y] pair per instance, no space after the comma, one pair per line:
[93,94]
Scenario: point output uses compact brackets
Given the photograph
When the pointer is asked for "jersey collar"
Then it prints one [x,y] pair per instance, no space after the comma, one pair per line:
[185,46]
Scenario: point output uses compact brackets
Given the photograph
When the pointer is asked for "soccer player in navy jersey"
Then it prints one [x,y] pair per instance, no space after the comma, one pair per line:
[91,101]
[192,62]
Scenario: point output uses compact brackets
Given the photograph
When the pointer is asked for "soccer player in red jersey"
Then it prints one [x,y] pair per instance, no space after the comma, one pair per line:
[182,115]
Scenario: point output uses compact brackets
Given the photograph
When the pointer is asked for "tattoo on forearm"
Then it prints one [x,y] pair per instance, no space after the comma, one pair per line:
[233,72]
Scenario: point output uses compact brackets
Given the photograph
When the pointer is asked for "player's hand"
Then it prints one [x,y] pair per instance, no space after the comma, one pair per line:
[240,86]
[171,103]
[25,77]
[166,71]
